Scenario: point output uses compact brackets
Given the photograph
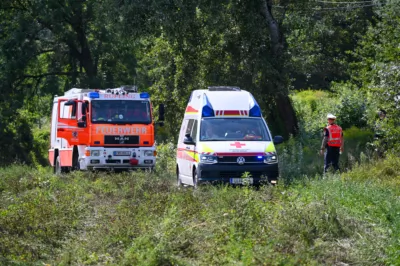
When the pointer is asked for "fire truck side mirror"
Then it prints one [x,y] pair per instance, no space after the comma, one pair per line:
[81,124]
[84,110]
[161,112]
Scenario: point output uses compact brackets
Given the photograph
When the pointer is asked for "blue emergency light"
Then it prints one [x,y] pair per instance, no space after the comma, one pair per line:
[144,95]
[255,109]
[207,110]
[94,95]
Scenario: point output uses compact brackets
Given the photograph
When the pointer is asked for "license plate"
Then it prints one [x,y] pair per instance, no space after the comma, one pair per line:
[122,153]
[241,181]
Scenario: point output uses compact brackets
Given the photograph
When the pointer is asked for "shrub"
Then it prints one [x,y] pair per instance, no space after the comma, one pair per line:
[166,154]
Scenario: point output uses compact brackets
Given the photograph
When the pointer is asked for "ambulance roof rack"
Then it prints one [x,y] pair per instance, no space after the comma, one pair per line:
[223,88]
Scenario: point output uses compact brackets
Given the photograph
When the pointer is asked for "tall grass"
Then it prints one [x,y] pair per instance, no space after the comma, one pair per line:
[143,219]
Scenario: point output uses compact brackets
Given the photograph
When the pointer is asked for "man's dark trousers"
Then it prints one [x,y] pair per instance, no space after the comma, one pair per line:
[332,157]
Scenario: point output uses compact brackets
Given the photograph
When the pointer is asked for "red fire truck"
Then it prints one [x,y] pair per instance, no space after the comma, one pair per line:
[103,129]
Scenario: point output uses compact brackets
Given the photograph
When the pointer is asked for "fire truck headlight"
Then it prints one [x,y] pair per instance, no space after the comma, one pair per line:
[148,153]
[95,153]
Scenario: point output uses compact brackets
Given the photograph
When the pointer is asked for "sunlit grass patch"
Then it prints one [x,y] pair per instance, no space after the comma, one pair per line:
[141,218]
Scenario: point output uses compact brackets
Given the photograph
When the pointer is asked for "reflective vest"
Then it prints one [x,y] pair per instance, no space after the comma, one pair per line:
[335,135]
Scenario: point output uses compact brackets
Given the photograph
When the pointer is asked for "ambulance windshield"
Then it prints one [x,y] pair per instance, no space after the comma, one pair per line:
[120,112]
[228,129]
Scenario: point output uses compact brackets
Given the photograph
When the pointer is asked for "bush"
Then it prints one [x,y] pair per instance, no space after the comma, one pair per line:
[140,218]
[166,154]
[352,107]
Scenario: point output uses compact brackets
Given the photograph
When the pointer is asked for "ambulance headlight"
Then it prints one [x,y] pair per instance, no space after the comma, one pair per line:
[210,159]
[95,153]
[270,158]
[148,153]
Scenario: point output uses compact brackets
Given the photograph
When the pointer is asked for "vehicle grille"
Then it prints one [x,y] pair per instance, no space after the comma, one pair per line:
[121,139]
[238,174]
[116,161]
[233,159]
[113,161]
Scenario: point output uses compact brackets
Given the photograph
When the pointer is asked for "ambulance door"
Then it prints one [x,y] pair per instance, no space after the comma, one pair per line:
[189,151]
[181,148]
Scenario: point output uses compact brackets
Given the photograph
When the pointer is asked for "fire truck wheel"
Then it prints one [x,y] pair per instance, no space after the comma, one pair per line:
[150,170]
[76,166]
[57,166]
[58,169]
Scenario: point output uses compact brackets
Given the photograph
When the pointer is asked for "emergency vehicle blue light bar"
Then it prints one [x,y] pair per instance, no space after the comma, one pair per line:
[207,110]
[255,109]
[94,95]
[144,95]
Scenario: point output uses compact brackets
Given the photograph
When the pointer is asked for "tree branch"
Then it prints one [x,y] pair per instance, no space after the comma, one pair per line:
[273,26]
[50,74]
[12,8]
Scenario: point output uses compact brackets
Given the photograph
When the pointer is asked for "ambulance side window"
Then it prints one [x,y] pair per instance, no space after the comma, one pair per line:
[189,127]
[183,129]
[194,131]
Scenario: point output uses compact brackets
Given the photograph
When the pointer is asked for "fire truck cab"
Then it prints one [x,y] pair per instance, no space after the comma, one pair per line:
[103,129]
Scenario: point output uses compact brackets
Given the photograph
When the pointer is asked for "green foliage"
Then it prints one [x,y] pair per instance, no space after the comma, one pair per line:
[166,158]
[352,107]
[300,156]
[376,67]
[346,102]
[319,36]
[50,46]
[143,219]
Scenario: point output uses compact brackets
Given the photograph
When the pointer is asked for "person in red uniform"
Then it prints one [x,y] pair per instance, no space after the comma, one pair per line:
[332,144]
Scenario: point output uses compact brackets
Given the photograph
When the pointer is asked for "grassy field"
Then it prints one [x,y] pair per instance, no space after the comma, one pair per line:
[144,219]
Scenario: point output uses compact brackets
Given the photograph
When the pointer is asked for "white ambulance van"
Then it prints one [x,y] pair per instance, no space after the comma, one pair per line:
[224,138]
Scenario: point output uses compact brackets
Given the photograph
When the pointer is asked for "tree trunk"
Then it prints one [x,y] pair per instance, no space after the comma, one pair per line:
[287,113]
[285,108]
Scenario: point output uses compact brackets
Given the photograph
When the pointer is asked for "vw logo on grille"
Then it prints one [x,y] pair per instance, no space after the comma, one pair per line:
[240,160]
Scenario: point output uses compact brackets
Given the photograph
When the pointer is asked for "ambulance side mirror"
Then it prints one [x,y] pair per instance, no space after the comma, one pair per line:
[161,112]
[278,139]
[188,140]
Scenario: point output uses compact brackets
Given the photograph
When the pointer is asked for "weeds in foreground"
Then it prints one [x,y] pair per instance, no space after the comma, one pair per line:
[143,219]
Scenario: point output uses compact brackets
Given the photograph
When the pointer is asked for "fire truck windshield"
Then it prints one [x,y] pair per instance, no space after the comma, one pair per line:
[120,112]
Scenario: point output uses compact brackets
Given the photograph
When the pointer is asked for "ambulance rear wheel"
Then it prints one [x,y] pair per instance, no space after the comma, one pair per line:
[178,179]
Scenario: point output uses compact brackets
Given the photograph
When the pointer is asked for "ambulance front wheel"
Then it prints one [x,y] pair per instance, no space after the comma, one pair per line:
[195,179]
